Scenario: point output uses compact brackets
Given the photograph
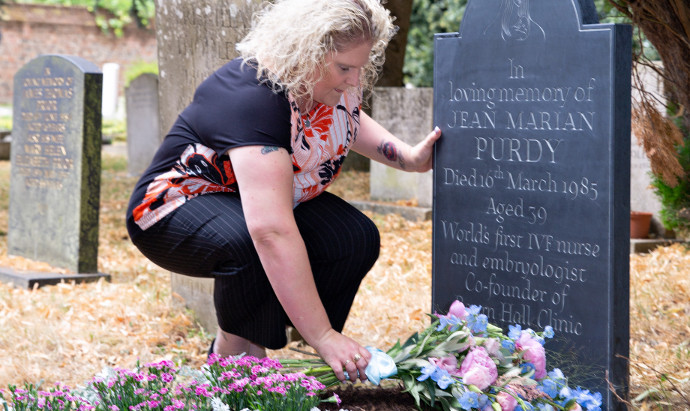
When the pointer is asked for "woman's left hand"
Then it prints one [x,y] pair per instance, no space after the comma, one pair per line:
[380,145]
[421,155]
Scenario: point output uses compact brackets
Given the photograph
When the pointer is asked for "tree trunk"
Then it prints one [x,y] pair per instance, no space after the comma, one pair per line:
[392,74]
[666,23]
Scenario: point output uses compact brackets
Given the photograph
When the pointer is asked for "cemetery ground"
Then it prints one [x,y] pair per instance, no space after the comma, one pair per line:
[69,332]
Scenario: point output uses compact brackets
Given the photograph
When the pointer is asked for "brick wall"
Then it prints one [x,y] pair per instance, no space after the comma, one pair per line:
[31,30]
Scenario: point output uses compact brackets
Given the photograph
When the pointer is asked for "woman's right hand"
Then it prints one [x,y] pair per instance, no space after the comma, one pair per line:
[342,353]
[265,179]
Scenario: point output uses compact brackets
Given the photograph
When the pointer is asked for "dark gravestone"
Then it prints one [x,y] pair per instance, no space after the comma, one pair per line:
[531,178]
[56,163]
[143,135]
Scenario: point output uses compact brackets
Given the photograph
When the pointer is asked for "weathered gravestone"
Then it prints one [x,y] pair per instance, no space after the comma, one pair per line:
[143,134]
[195,38]
[56,164]
[532,178]
[407,113]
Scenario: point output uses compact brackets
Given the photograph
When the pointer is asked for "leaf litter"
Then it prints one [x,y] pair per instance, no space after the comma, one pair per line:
[69,332]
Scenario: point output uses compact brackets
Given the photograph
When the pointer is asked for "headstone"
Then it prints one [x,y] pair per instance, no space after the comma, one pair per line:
[143,134]
[532,178]
[111,77]
[195,37]
[56,163]
[408,114]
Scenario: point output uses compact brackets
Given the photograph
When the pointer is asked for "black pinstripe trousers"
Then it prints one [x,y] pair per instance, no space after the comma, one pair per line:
[208,237]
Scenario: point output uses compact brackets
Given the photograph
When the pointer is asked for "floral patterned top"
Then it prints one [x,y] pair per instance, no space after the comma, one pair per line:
[231,109]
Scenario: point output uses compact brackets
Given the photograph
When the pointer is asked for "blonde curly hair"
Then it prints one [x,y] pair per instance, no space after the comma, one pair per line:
[290,40]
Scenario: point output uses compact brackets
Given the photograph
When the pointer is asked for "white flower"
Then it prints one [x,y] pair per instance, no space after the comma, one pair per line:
[219,405]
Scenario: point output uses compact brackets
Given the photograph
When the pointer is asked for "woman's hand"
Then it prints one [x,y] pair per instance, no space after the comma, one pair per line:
[422,153]
[342,353]
[377,143]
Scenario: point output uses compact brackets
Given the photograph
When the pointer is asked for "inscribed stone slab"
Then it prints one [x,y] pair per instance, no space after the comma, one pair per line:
[532,178]
[56,163]
[143,134]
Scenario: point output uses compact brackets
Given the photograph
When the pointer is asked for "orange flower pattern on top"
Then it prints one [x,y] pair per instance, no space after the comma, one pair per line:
[320,141]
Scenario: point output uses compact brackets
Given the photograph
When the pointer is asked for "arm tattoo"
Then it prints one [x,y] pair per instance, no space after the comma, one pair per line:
[269,149]
[391,153]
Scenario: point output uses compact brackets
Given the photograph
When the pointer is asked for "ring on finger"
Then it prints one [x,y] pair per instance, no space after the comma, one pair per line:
[357,357]
[346,363]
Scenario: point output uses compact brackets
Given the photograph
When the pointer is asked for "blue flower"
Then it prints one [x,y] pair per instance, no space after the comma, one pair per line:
[469,400]
[508,345]
[586,399]
[437,374]
[427,371]
[549,387]
[527,367]
[548,332]
[514,331]
[557,376]
[525,406]
[477,323]
[483,401]
[451,321]
[545,407]
[474,310]
[443,378]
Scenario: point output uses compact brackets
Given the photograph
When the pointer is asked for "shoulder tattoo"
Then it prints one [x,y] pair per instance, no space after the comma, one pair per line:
[269,149]
[391,153]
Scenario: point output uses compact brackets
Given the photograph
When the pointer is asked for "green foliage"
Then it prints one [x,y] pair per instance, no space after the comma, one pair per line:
[5,123]
[443,16]
[428,18]
[119,12]
[675,200]
[114,130]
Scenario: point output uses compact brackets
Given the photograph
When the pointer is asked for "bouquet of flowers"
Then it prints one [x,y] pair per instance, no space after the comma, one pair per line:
[461,362]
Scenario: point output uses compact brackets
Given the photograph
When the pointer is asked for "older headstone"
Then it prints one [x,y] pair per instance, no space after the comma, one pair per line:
[195,37]
[56,163]
[111,77]
[407,113]
[532,178]
[143,134]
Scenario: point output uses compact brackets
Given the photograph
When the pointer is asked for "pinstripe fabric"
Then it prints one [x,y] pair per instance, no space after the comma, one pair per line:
[208,237]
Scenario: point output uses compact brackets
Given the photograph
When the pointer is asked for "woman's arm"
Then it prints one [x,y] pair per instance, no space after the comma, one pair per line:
[265,179]
[380,145]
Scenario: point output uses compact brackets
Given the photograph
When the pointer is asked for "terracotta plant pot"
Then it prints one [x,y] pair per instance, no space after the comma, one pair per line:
[639,224]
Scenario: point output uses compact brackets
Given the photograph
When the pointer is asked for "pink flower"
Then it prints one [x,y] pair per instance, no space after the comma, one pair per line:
[478,369]
[449,363]
[532,352]
[575,407]
[457,309]
[492,346]
[506,401]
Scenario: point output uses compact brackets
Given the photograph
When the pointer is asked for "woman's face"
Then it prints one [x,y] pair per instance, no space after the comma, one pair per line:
[343,70]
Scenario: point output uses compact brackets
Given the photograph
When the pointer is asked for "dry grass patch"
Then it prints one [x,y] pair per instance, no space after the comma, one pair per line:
[68,333]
